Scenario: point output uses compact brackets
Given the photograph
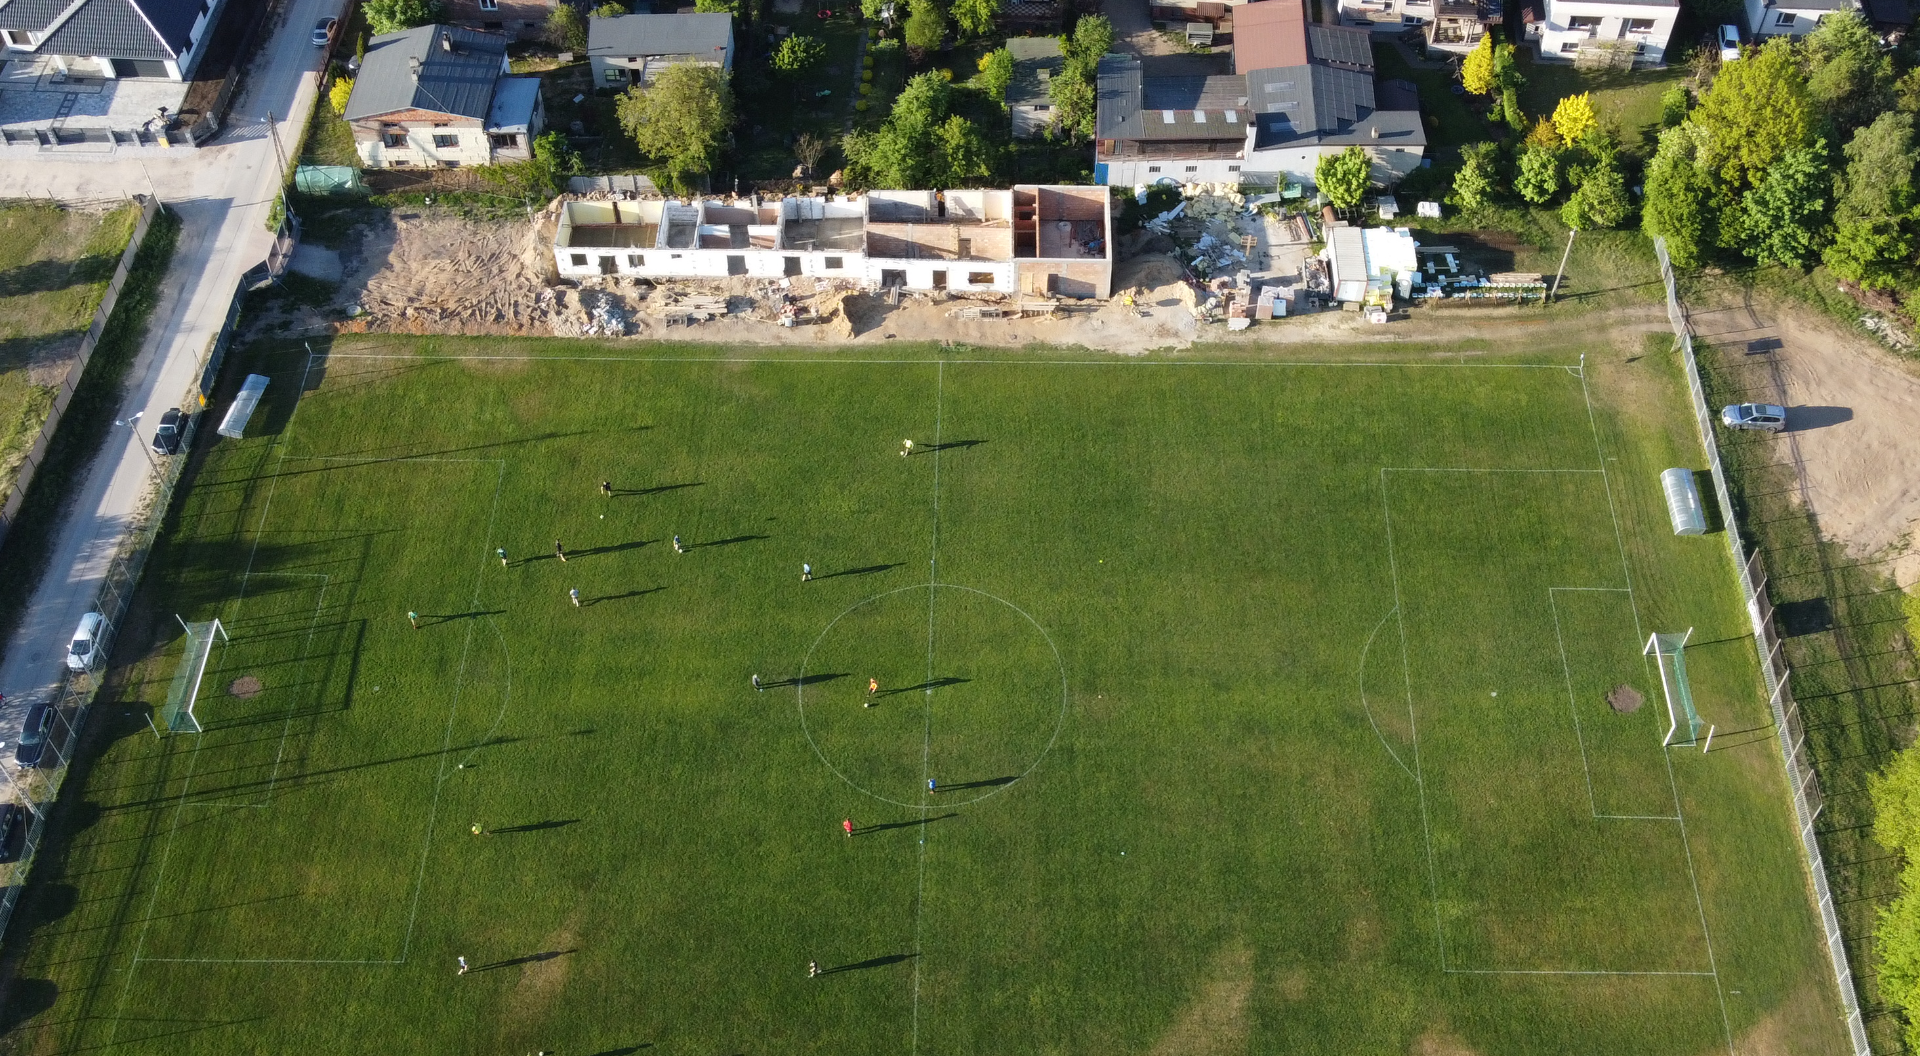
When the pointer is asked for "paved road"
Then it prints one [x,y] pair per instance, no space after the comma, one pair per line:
[222,194]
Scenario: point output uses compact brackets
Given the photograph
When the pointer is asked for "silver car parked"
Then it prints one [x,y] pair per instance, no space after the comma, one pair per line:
[1763,416]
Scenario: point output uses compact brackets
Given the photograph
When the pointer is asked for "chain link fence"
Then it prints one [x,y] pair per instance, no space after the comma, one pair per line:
[1773,667]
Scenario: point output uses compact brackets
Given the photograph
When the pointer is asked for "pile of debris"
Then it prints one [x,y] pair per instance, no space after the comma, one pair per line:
[1206,227]
[585,313]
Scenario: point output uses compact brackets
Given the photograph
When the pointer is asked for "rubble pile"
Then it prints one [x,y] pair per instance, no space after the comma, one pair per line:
[1205,226]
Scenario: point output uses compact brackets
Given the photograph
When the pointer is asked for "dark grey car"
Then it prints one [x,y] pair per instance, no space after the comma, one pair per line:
[33,736]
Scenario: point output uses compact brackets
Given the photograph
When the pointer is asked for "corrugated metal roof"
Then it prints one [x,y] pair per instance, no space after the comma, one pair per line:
[1269,34]
[458,81]
[1130,106]
[1031,55]
[636,35]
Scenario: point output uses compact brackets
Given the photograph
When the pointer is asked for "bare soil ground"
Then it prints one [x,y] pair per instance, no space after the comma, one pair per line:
[1852,408]
[432,272]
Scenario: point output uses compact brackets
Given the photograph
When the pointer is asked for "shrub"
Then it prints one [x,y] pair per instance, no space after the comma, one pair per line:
[860,105]
[338,94]
[866,89]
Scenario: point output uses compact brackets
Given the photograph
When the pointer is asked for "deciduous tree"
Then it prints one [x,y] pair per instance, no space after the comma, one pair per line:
[996,73]
[1539,177]
[1847,74]
[1345,177]
[565,29]
[926,24]
[392,16]
[1479,175]
[1476,70]
[682,119]
[1757,110]
[1786,211]
[799,53]
[1573,117]
[975,17]
[1679,200]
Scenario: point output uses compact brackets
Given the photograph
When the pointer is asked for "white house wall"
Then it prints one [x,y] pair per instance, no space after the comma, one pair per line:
[1558,40]
[1390,164]
[473,148]
[1127,172]
[586,263]
[1768,20]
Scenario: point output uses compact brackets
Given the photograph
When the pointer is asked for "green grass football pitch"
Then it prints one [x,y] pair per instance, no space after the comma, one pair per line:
[1264,698]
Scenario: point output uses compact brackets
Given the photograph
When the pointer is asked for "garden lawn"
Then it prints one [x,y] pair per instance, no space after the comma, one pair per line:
[55,264]
[1262,702]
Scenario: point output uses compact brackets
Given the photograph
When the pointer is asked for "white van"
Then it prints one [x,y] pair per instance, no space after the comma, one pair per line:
[89,642]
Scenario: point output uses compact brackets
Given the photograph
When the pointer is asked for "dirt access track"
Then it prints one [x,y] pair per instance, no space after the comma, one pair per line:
[1853,419]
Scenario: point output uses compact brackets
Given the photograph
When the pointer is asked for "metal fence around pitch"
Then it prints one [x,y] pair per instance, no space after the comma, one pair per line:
[41,786]
[1801,779]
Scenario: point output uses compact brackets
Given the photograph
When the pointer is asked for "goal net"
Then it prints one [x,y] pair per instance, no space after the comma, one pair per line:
[1669,652]
[177,715]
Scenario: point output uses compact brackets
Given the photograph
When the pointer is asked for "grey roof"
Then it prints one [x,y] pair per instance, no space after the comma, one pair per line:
[688,34]
[1031,55]
[1340,45]
[1396,94]
[119,29]
[31,14]
[1328,105]
[513,102]
[459,81]
[1130,106]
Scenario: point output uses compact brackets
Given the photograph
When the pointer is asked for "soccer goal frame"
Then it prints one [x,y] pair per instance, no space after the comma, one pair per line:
[177,716]
[1669,654]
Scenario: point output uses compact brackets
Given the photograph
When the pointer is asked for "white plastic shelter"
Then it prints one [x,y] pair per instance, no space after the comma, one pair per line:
[234,425]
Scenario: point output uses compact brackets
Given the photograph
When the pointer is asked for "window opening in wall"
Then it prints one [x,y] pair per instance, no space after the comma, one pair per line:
[736,264]
[979,278]
[449,164]
[444,141]
[636,260]
[939,280]
[607,266]
[396,139]
[791,265]
[579,260]
[834,263]
[893,277]
[505,140]
[1783,18]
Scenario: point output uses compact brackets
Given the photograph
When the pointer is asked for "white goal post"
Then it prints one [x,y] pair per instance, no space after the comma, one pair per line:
[1669,654]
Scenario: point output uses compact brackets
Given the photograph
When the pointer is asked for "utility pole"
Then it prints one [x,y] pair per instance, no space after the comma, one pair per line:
[1555,292]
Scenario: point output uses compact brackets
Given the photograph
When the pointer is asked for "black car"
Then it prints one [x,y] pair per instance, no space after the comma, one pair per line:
[167,435]
[13,830]
[33,736]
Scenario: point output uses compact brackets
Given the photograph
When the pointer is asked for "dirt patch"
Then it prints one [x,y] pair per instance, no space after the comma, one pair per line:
[1851,406]
[428,273]
[1294,985]
[1215,1017]
[1802,1024]
[1625,699]
[1440,1042]
[245,687]
[543,977]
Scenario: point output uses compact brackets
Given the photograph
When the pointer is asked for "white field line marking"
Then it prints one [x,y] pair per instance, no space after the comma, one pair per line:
[1566,971]
[459,685]
[166,852]
[926,741]
[963,362]
[286,727]
[440,780]
[1626,571]
[1364,650]
[1573,706]
[1406,675]
[1419,773]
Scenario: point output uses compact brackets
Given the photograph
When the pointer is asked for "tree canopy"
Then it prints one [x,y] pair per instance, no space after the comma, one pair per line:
[565,29]
[975,17]
[921,145]
[1345,177]
[1574,117]
[1847,74]
[682,119]
[996,73]
[926,24]
[1074,89]
[1757,110]
[392,16]
[799,53]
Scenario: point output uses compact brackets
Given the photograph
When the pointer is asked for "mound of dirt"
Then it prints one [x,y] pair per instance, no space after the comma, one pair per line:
[245,686]
[1625,699]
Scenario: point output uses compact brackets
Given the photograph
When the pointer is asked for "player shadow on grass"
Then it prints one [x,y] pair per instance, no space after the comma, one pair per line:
[615,548]
[867,571]
[804,680]
[627,1051]
[535,826]
[512,962]
[722,542]
[621,493]
[877,962]
[429,619]
[991,782]
[932,683]
[951,444]
[587,603]
[913,823]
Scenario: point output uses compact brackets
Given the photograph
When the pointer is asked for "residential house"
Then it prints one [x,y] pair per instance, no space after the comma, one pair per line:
[1456,26]
[1271,33]
[1039,240]
[157,39]
[633,49]
[1035,62]
[440,96]
[1611,32]
[518,19]
[1167,129]
[1302,114]
[1789,18]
